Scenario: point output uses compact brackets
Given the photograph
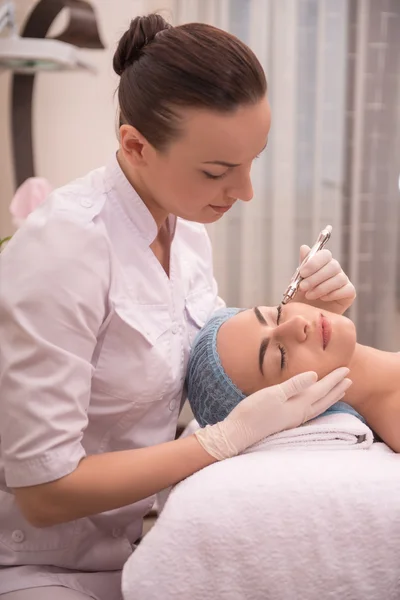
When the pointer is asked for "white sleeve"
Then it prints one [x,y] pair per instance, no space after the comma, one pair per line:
[219,303]
[54,281]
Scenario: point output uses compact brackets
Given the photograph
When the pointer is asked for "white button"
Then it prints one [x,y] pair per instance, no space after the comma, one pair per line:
[86,202]
[17,536]
[172,404]
[116,532]
[175,329]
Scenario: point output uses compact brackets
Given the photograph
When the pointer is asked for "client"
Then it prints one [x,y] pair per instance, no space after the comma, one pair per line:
[239,352]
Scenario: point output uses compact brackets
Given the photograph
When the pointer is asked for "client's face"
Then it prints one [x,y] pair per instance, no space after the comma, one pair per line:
[264,346]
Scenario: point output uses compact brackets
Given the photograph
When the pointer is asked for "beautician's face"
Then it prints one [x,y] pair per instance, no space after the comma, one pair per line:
[187,179]
[259,348]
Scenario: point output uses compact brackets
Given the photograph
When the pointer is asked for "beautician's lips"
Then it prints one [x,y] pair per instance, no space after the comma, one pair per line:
[326,331]
[221,209]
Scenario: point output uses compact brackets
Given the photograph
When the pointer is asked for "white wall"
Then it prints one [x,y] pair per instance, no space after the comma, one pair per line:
[74,113]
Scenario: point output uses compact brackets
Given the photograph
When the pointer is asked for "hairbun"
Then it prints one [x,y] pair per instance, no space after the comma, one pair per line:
[141,32]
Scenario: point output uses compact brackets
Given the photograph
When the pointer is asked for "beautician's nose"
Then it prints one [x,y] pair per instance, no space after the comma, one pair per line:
[243,190]
[295,328]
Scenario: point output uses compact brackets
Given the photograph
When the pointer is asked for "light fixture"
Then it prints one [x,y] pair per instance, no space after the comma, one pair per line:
[27,55]
[33,52]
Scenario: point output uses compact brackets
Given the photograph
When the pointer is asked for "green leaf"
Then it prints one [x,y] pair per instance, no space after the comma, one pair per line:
[5,240]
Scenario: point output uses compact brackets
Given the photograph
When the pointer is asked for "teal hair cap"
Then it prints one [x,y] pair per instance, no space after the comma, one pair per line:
[212,394]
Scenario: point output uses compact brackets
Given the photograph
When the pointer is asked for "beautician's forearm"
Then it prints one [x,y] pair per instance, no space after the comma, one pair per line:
[108,481]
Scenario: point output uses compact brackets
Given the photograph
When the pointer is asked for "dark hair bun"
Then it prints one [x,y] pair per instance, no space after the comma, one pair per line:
[141,32]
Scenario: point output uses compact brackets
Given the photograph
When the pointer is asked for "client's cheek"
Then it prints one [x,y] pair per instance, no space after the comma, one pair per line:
[304,362]
[329,364]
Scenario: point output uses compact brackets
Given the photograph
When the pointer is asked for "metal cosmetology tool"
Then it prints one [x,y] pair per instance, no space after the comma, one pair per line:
[293,286]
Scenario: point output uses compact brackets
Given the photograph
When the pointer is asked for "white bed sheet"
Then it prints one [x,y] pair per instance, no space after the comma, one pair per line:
[277,526]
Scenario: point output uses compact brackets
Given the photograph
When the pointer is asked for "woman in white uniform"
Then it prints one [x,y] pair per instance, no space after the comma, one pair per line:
[102,293]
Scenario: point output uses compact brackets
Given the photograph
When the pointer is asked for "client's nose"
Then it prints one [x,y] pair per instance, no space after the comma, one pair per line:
[294,328]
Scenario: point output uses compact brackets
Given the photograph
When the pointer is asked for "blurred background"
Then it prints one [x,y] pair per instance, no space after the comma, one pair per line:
[333,70]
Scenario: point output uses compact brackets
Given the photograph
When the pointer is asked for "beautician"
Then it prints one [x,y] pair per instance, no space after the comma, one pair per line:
[102,292]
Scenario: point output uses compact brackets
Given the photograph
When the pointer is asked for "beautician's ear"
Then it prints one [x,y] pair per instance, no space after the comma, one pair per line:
[133,145]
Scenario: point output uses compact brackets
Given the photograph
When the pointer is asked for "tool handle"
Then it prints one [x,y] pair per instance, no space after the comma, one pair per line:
[321,242]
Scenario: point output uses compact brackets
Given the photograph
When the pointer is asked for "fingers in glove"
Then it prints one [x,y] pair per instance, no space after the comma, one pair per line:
[317,262]
[297,384]
[326,286]
[329,400]
[325,272]
[347,291]
[304,250]
[324,386]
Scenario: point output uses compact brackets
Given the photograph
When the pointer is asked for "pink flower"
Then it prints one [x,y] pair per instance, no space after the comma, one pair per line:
[28,196]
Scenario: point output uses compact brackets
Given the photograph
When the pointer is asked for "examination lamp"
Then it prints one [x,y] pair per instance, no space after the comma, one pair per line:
[29,55]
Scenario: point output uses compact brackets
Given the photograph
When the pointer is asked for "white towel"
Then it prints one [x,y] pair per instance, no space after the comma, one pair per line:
[334,431]
[277,526]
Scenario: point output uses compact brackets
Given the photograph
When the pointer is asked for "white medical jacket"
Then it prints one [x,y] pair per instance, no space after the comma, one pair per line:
[94,346]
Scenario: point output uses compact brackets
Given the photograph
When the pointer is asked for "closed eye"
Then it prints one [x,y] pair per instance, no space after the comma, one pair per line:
[230,165]
[281,348]
[211,176]
[283,357]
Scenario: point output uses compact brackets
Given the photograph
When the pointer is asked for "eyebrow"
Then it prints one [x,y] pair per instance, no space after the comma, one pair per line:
[265,342]
[223,163]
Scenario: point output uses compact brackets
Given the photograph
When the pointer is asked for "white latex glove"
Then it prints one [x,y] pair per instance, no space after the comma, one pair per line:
[325,284]
[272,410]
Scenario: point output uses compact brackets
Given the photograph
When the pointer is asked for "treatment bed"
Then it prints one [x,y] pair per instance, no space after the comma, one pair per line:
[279,523]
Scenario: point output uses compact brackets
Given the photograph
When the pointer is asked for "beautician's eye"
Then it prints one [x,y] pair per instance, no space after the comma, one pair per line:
[211,176]
[279,311]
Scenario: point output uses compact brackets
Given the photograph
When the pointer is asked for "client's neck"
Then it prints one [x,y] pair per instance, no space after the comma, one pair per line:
[375,374]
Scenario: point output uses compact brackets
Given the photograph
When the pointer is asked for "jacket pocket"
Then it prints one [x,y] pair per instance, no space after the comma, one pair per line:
[134,360]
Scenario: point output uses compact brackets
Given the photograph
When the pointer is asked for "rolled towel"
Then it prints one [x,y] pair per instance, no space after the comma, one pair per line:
[334,431]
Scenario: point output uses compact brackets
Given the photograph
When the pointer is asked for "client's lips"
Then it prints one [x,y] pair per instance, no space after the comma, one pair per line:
[326,331]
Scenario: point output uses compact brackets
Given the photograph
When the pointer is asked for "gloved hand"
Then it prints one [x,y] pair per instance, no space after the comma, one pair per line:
[272,410]
[325,284]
